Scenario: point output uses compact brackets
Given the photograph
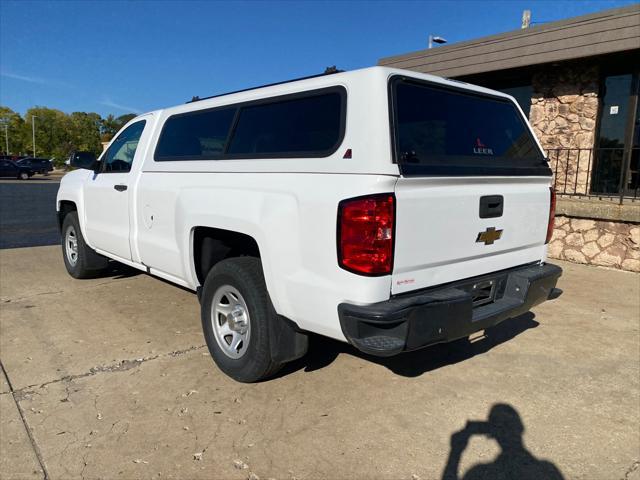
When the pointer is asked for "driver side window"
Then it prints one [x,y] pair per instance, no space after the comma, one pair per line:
[119,157]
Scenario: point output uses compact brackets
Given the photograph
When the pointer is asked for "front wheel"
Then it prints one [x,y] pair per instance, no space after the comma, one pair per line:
[80,260]
[23,176]
[236,315]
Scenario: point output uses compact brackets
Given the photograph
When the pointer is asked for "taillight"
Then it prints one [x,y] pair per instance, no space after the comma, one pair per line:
[365,234]
[552,214]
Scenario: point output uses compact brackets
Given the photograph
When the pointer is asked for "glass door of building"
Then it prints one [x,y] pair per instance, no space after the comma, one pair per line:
[632,186]
[615,168]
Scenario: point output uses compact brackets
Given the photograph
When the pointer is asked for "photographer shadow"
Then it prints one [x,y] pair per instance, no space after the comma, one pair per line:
[505,426]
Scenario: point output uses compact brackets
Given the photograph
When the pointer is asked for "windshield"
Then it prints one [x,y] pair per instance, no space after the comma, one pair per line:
[442,131]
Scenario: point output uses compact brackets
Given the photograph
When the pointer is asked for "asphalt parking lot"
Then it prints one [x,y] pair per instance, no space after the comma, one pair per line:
[28,211]
[110,378]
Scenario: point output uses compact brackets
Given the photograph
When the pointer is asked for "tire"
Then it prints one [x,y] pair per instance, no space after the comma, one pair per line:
[232,283]
[23,176]
[81,261]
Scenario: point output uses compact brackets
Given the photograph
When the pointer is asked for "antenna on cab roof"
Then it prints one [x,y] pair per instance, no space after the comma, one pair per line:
[327,71]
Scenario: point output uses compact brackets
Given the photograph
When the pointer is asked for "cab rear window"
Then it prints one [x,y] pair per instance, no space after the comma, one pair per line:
[446,131]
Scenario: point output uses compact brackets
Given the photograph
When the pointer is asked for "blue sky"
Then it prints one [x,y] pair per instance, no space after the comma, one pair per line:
[120,56]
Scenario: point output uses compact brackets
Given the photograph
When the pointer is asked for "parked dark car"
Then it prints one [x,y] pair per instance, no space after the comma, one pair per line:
[37,165]
[13,158]
[13,170]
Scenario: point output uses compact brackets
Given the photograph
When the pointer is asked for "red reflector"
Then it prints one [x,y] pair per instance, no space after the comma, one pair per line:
[552,214]
[348,153]
[365,234]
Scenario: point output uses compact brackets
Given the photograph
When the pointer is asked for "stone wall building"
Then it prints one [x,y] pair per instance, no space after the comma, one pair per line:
[578,81]
[564,110]
[596,242]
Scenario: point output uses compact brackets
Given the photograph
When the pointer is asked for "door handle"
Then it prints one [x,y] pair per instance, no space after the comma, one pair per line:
[120,188]
[491,206]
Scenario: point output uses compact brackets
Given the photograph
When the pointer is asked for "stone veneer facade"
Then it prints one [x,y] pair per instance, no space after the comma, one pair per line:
[595,242]
[564,110]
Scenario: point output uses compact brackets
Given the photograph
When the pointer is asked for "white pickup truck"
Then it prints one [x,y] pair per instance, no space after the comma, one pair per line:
[386,208]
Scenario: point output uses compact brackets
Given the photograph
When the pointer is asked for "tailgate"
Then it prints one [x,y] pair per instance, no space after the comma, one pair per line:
[473,196]
[438,226]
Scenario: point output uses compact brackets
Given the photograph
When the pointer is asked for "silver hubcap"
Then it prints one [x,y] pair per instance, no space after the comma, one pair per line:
[230,321]
[71,245]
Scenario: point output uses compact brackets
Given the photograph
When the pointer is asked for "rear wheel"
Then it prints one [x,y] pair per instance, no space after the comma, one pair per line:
[236,316]
[23,176]
[80,260]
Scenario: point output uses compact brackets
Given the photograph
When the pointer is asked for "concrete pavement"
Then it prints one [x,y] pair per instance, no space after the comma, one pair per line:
[110,379]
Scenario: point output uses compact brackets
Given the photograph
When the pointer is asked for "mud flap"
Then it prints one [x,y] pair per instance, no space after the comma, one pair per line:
[287,341]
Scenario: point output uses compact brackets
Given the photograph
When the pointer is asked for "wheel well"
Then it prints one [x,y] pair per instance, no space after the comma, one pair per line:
[65,207]
[211,245]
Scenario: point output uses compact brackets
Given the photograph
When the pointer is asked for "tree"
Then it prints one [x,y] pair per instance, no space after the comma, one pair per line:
[85,132]
[52,132]
[108,128]
[123,119]
[57,133]
[111,125]
[14,133]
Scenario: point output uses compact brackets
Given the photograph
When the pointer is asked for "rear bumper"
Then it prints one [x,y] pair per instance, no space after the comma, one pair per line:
[412,321]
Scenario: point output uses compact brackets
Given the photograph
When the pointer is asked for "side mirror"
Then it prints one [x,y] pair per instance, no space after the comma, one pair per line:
[84,160]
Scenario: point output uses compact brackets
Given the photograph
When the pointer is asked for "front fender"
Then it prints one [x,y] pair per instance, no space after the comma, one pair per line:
[72,190]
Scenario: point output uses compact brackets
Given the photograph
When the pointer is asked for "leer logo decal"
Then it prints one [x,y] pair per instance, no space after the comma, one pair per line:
[481,148]
[489,236]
